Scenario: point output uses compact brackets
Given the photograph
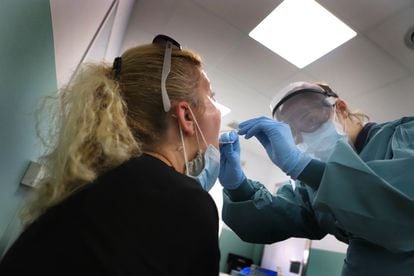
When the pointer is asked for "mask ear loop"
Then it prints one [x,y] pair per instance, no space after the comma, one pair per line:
[198,143]
[198,127]
[184,151]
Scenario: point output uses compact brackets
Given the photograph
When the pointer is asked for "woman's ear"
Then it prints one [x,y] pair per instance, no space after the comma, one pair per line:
[184,117]
[342,108]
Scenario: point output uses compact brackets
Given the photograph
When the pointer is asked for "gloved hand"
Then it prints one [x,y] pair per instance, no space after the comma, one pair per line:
[231,174]
[276,137]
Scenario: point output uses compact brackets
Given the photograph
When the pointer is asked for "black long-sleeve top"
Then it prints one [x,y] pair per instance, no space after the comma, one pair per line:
[141,218]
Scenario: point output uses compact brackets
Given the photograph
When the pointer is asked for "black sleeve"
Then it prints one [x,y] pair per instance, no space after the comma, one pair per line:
[312,174]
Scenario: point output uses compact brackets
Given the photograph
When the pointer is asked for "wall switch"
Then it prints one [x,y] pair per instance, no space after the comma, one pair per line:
[32,175]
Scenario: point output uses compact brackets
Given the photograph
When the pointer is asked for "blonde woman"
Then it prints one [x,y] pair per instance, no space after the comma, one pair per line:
[135,150]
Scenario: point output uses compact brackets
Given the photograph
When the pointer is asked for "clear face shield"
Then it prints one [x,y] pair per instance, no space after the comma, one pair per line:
[304,113]
[310,113]
[305,108]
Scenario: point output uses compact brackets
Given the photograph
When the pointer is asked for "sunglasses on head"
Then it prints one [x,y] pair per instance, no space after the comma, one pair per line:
[169,44]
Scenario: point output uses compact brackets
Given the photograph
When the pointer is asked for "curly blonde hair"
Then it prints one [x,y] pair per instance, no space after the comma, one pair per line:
[99,122]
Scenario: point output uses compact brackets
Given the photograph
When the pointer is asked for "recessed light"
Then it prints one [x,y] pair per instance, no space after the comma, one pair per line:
[301,31]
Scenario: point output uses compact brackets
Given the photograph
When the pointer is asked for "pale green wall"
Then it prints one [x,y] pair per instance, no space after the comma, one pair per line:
[325,263]
[231,243]
[27,71]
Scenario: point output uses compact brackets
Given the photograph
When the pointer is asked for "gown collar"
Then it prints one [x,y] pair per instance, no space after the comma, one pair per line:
[362,137]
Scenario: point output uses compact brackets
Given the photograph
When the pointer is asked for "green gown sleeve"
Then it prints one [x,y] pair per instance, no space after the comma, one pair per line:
[257,216]
[372,195]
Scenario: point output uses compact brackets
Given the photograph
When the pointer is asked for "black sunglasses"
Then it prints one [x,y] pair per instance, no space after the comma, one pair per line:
[169,44]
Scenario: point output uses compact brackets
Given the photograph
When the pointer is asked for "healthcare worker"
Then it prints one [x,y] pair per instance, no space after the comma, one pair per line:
[354,180]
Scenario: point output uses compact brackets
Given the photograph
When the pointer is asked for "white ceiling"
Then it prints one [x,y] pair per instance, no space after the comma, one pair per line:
[374,71]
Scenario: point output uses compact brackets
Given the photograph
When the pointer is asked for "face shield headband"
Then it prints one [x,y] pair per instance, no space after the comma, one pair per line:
[169,44]
[325,90]
[305,107]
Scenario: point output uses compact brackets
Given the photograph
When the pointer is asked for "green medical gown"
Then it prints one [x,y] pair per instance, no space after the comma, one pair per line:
[365,200]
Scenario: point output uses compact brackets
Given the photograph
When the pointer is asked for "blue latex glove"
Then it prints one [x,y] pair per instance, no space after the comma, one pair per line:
[231,174]
[276,137]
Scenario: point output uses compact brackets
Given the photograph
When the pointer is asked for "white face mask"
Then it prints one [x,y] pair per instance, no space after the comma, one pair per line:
[205,167]
[320,143]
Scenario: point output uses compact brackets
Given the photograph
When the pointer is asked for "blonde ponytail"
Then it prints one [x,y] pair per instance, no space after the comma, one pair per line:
[91,136]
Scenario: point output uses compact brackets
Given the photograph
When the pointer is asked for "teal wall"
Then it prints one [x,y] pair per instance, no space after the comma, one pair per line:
[325,263]
[27,72]
[231,243]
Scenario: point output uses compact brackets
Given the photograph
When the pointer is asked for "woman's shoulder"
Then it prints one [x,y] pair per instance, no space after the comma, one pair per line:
[395,137]
[407,121]
[388,129]
[148,176]
[138,169]
[139,185]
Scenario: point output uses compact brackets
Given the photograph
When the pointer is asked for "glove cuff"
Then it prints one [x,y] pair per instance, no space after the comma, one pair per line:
[235,185]
[303,161]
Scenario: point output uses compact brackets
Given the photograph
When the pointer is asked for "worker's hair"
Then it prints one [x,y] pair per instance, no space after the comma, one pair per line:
[102,120]
[355,115]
